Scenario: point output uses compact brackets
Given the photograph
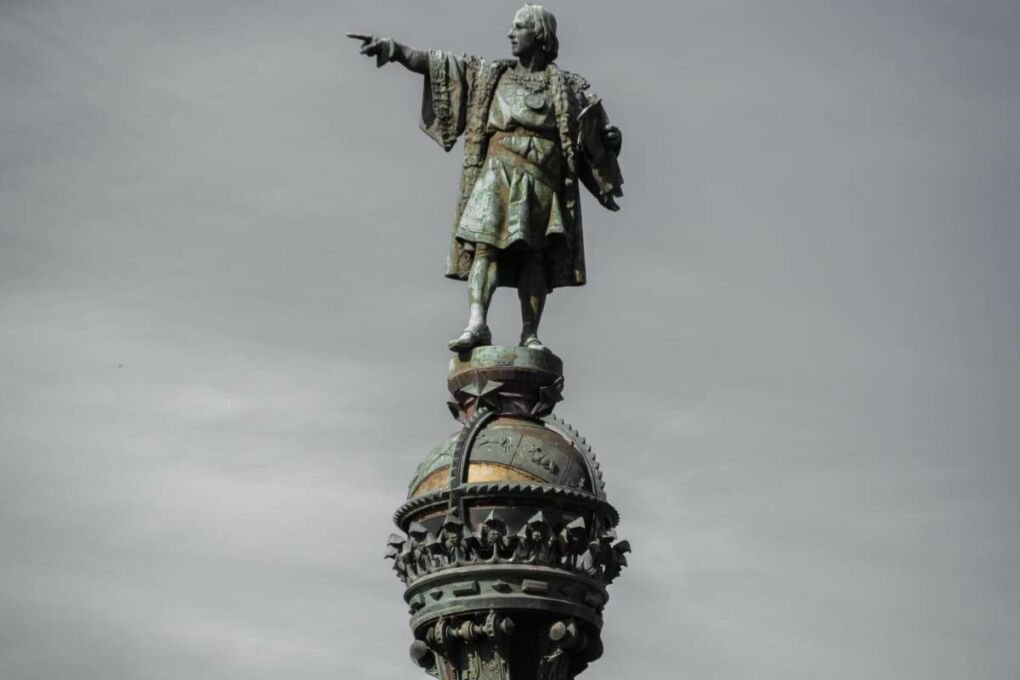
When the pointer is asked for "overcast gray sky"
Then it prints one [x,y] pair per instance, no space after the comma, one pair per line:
[222,239]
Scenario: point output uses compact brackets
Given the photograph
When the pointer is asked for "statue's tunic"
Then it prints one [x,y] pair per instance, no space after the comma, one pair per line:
[519,185]
[515,200]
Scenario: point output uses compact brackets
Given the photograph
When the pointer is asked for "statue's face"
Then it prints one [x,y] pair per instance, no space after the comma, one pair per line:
[523,40]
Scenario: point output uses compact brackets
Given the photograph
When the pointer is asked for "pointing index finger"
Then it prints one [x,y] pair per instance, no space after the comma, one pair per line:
[360,36]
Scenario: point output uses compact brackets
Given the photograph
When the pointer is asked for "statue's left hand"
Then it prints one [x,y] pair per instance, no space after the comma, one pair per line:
[613,138]
[383,49]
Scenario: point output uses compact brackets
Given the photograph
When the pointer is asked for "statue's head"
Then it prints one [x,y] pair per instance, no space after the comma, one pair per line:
[534,28]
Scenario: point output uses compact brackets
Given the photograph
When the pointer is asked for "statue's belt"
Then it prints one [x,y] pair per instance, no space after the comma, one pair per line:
[542,163]
[550,135]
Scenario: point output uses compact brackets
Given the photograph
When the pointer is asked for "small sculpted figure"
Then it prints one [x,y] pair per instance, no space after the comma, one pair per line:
[434,553]
[535,543]
[532,133]
[408,562]
[492,543]
[573,542]
[617,560]
[595,558]
[394,550]
[419,559]
[554,665]
[454,547]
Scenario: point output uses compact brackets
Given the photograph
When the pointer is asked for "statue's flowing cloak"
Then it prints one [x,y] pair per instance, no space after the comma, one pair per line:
[458,93]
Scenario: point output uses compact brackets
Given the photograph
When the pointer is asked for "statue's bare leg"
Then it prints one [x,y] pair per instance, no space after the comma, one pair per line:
[481,284]
[532,289]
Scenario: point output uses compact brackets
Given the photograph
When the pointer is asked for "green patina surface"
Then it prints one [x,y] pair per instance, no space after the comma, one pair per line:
[498,356]
[438,458]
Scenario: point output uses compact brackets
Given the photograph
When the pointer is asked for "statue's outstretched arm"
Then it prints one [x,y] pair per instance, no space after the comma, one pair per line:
[386,50]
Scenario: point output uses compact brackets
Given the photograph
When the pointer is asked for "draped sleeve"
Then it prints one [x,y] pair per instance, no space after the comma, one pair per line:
[448,84]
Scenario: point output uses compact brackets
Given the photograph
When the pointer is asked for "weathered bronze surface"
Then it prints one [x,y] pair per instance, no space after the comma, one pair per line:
[477,473]
[507,542]
[532,134]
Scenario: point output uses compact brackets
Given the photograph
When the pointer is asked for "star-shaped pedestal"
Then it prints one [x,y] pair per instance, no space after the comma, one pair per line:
[548,397]
[481,391]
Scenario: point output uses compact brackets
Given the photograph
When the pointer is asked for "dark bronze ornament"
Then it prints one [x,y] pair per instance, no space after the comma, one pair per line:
[510,542]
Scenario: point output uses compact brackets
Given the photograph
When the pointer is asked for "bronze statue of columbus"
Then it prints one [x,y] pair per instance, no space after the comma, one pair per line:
[531,131]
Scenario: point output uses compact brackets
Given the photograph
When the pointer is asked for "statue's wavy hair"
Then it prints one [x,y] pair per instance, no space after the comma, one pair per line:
[544,24]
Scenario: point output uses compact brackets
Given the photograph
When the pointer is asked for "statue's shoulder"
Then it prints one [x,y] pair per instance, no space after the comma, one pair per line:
[486,68]
[575,81]
[471,62]
[500,65]
[488,71]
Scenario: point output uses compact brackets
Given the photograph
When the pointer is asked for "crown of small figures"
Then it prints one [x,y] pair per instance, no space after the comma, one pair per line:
[573,545]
